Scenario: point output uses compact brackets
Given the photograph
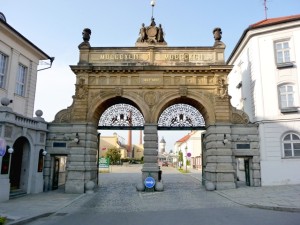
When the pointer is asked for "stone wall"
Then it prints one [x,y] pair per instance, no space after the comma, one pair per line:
[81,156]
[220,154]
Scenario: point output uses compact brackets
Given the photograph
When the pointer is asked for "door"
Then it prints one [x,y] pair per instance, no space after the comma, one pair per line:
[247,171]
[55,173]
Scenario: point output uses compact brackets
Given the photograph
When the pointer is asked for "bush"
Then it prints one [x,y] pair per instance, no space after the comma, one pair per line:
[2,220]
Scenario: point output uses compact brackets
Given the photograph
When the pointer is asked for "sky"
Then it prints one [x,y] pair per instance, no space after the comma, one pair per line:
[56,26]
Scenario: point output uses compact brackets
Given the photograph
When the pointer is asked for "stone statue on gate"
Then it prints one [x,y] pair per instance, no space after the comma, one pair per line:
[151,35]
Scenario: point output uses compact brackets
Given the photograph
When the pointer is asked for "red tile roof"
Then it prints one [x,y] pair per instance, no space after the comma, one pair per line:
[272,21]
[263,23]
[185,138]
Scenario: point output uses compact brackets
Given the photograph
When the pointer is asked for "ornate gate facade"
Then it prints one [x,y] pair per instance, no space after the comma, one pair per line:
[151,77]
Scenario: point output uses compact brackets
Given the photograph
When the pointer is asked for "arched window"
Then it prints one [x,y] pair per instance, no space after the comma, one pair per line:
[41,161]
[291,145]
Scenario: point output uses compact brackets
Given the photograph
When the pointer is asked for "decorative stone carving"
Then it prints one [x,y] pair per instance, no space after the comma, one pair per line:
[63,116]
[222,89]
[86,34]
[218,36]
[81,90]
[150,98]
[119,91]
[151,34]
[239,117]
[183,91]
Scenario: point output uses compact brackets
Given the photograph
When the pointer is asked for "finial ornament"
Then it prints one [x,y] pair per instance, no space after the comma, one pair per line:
[86,34]
[217,32]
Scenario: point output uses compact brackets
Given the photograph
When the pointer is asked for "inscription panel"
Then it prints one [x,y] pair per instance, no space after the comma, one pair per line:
[151,80]
[153,56]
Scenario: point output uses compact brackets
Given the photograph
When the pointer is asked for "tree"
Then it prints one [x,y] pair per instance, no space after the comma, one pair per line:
[114,155]
[180,158]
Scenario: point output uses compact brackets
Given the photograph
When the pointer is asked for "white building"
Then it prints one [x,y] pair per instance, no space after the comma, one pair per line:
[20,134]
[265,83]
[191,148]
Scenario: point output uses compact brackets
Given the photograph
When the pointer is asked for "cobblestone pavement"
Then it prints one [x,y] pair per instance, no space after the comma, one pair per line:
[117,193]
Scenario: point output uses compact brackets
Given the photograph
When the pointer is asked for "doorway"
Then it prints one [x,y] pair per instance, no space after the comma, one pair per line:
[59,171]
[243,171]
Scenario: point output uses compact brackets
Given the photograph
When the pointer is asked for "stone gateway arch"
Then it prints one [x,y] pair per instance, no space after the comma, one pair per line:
[151,77]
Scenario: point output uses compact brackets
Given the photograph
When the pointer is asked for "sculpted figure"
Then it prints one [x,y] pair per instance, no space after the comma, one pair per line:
[143,35]
[160,34]
[86,33]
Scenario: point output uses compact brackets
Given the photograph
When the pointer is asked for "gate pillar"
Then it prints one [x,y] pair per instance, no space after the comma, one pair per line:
[150,167]
[219,160]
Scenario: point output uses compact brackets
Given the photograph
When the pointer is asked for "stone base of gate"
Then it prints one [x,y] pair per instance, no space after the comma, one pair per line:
[221,180]
[154,172]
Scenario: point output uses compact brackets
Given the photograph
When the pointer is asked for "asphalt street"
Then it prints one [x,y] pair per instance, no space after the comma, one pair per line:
[183,202]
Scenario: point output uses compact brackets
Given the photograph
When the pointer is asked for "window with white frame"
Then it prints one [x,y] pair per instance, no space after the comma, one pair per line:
[3,65]
[282,52]
[291,145]
[21,79]
[286,96]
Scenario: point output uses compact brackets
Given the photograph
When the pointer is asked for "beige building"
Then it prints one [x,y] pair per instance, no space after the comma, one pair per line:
[22,136]
[115,141]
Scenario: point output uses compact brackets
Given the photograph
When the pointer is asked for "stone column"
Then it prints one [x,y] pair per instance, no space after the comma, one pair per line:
[219,170]
[47,173]
[150,152]
[82,166]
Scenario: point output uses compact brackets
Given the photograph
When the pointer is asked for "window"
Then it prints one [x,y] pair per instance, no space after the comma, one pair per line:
[3,65]
[291,145]
[282,51]
[21,78]
[286,97]
[41,161]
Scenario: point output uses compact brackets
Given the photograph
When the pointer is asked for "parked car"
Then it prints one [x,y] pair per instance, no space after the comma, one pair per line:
[165,164]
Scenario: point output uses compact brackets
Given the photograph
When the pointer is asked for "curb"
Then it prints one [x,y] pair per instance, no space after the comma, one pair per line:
[42,215]
[257,206]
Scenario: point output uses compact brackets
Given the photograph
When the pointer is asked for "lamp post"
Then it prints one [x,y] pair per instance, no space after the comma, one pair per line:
[153,4]
[10,151]
[98,155]
[186,148]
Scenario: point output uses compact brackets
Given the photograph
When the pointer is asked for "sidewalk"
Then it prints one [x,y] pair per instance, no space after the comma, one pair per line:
[282,198]
[33,206]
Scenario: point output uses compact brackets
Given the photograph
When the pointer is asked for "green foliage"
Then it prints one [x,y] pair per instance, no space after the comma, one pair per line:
[188,162]
[183,171]
[180,158]
[114,155]
[2,220]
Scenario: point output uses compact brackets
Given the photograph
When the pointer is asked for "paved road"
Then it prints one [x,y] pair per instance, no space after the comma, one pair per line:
[184,202]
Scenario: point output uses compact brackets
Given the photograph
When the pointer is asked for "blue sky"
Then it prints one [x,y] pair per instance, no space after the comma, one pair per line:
[55,27]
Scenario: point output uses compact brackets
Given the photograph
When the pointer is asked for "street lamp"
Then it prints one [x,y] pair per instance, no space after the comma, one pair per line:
[98,156]
[10,151]
[186,148]
[152,4]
